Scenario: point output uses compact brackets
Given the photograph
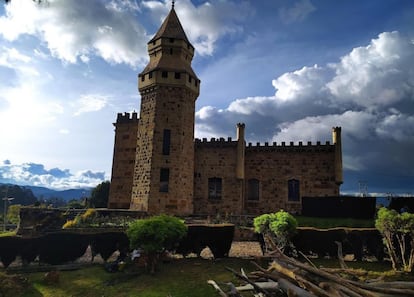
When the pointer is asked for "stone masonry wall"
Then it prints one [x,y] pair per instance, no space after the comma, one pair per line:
[123,161]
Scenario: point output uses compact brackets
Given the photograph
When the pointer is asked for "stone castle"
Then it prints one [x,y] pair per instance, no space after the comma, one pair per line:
[158,166]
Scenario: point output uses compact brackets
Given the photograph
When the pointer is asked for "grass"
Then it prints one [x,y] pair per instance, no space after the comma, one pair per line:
[325,223]
[180,278]
[7,233]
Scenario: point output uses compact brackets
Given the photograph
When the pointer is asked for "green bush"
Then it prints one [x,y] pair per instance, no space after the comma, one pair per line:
[155,235]
[398,235]
[279,227]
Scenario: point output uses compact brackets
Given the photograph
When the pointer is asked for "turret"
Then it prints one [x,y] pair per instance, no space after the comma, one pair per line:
[336,139]
[241,145]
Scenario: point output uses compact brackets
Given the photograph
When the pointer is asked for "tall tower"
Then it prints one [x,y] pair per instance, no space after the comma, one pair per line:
[336,139]
[164,163]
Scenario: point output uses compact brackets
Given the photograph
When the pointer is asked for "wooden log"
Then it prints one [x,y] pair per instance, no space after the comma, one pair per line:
[218,289]
[293,290]
[269,286]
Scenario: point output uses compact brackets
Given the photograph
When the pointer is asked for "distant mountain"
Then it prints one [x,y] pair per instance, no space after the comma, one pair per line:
[46,193]
[42,193]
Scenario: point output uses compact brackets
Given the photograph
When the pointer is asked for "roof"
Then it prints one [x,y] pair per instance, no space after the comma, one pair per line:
[171,28]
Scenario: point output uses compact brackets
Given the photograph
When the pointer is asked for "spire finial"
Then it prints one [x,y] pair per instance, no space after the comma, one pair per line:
[173,2]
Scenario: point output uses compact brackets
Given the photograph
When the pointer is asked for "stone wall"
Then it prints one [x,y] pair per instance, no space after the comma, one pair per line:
[126,127]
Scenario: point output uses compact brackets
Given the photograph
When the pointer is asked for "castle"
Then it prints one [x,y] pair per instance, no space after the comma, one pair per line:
[158,166]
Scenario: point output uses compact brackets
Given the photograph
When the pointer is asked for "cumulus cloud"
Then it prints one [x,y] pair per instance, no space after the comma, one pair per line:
[206,23]
[34,174]
[76,29]
[90,103]
[369,92]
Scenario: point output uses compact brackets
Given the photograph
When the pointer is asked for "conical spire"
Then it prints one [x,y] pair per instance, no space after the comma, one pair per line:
[171,27]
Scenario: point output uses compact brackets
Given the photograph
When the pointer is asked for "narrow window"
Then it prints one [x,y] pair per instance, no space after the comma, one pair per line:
[150,75]
[253,189]
[214,188]
[164,178]
[196,82]
[143,77]
[164,74]
[171,51]
[189,78]
[293,190]
[166,141]
[177,75]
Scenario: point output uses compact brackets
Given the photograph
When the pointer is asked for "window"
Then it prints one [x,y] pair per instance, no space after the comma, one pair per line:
[189,78]
[164,74]
[293,190]
[253,189]
[166,142]
[143,77]
[177,75]
[214,188]
[150,75]
[164,178]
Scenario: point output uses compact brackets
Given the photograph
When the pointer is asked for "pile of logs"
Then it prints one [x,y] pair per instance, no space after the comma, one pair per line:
[286,276]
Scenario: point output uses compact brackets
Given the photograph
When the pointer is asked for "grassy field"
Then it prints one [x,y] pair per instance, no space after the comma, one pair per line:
[324,223]
[180,278]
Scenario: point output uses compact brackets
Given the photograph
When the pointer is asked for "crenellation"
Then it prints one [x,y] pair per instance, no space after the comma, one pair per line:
[126,117]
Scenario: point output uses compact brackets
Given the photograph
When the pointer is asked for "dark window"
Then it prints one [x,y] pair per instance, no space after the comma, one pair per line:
[253,189]
[189,78]
[196,82]
[177,75]
[293,190]
[164,74]
[150,75]
[171,51]
[164,178]
[172,40]
[166,141]
[214,188]
[143,77]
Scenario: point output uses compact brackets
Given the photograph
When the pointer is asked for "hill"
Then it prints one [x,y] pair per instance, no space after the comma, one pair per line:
[43,193]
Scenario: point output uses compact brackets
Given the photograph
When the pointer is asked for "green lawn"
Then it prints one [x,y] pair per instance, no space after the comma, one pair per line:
[180,278]
[324,223]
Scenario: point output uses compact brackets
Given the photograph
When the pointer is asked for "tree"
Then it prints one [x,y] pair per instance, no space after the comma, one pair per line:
[397,231]
[156,235]
[100,195]
[279,227]
[13,214]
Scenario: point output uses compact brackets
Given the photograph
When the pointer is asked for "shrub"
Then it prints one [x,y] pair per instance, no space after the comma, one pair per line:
[155,235]
[398,235]
[279,227]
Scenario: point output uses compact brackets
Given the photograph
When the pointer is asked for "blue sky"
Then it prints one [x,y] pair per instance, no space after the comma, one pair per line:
[290,70]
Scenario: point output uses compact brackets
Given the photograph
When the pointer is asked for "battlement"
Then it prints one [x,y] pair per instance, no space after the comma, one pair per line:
[215,142]
[283,146]
[126,117]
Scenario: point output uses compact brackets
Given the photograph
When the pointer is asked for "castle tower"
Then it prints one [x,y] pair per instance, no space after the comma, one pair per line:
[126,127]
[336,139]
[164,163]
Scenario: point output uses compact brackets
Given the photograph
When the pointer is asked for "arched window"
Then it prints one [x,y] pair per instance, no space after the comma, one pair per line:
[214,188]
[253,188]
[293,190]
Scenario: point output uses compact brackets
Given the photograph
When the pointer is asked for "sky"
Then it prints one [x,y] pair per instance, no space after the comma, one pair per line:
[289,69]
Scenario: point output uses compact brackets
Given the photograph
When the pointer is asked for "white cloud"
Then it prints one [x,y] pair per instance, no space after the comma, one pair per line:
[296,13]
[55,178]
[377,75]
[71,29]
[90,103]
